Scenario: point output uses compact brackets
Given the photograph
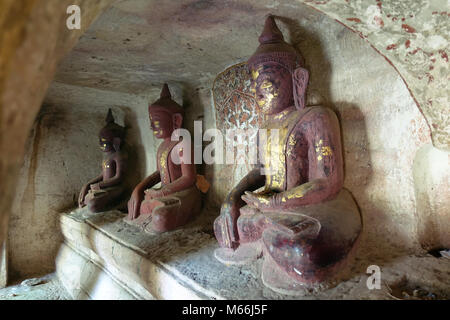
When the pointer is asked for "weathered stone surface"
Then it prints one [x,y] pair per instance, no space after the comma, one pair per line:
[33,282]
[105,258]
[50,289]
[412,35]
[34,39]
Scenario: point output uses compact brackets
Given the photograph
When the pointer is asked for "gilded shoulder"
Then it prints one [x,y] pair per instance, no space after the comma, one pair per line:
[322,112]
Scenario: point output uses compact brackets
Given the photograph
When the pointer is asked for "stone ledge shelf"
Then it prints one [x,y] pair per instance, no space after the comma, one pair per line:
[105,258]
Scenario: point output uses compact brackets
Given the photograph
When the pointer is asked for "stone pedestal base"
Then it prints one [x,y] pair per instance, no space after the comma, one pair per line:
[86,279]
[105,258]
[246,253]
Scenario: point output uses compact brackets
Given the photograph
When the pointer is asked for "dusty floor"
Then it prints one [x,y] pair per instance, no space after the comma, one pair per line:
[44,288]
[50,288]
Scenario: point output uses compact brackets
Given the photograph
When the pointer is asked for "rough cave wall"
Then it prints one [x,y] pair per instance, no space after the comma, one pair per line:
[188,42]
[33,40]
[62,154]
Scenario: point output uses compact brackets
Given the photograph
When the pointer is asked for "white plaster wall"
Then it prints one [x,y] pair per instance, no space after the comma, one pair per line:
[432,181]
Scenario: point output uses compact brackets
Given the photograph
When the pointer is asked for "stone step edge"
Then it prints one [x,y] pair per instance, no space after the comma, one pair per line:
[167,272]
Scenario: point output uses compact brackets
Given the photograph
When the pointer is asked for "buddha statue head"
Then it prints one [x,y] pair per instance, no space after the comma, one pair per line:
[111,135]
[272,69]
[165,115]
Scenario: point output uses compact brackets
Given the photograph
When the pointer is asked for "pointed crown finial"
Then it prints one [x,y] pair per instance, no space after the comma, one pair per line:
[271,33]
[273,48]
[166,103]
[165,92]
[109,117]
[111,129]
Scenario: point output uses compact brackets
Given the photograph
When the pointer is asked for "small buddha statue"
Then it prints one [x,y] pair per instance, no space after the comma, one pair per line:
[291,209]
[178,199]
[106,190]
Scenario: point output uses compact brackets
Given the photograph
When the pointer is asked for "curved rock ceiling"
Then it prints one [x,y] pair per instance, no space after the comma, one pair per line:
[135,44]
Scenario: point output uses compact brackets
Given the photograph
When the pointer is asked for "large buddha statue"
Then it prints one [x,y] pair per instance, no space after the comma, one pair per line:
[106,190]
[291,209]
[178,199]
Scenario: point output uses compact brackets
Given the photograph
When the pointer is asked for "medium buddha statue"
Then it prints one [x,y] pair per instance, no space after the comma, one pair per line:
[178,199]
[106,190]
[291,209]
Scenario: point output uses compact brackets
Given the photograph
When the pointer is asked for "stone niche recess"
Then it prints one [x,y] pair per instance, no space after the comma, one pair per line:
[399,180]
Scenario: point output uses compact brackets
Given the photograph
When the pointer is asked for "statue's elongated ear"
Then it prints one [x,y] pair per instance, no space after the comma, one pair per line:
[116,143]
[300,80]
[177,120]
